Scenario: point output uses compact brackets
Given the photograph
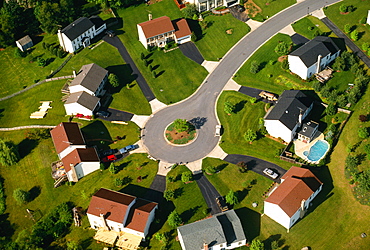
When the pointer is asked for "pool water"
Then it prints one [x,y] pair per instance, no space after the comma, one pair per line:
[317,151]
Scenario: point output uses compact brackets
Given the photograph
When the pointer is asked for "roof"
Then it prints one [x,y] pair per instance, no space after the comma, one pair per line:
[84,99]
[90,76]
[66,134]
[157,26]
[308,128]
[181,28]
[288,108]
[219,229]
[110,203]
[298,184]
[77,27]
[24,40]
[79,155]
[139,214]
[97,21]
[320,45]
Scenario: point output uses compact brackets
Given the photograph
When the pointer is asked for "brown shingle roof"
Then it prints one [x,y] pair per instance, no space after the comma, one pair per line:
[110,203]
[139,215]
[299,184]
[157,26]
[66,134]
[181,28]
[79,155]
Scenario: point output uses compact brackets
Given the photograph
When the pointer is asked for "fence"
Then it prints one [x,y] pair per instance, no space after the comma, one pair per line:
[25,127]
[60,67]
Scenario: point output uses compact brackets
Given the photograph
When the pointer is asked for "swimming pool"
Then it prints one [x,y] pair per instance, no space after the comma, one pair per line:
[317,151]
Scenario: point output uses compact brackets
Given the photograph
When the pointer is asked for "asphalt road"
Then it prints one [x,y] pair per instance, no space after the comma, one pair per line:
[209,193]
[201,104]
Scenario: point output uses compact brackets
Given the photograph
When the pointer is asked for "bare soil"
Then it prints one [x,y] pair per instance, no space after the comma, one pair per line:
[229,31]
[251,8]
[177,135]
[282,58]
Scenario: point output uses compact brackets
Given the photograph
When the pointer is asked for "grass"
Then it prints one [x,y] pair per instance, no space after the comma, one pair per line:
[341,80]
[184,74]
[272,8]
[310,27]
[215,41]
[247,117]
[271,76]
[352,18]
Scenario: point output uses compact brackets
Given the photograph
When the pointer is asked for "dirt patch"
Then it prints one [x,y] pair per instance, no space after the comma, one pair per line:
[282,58]
[177,135]
[229,31]
[251,8]
[153,2]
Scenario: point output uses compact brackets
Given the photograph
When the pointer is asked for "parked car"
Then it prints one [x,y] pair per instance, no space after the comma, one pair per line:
[270,173]
[109,158]
[128,148]
[103,114]
[110,151]
[218,130]
[222,203]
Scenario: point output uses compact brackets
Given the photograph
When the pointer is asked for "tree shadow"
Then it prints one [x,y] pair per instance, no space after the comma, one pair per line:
[26,146]
[49,60]
[160,73]
[150,61]
[251,164]
[123,165]
[251,222]
[156,67]
[178,192]
[271,238]
[198,122]
[187,214]
[239,106]
[1,112]
[222,166]
[126,180]
[241,194]
[148,55]
[6,229]
[34,193]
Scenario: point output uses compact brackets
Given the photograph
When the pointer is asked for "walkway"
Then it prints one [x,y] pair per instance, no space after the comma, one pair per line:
[26,127]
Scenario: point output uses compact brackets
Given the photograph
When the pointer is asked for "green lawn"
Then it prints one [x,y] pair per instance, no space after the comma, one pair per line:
[310,27]
[361,8]
[215,41]
[235,125]
[272,8]
[271,77]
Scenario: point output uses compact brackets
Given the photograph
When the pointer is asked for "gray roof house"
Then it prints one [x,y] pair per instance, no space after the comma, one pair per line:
[221,231]
[308,131]
[313,56]
[81,103]
[24,43]
[288,114]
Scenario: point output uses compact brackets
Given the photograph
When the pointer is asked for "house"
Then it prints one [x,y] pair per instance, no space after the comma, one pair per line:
[79,33]
[77,160]
[313,56]
[308,131]
[91,78]
[205,5]
[287,115]
[221,231]
[368,17]
[24,43]
[81,103]
[119,212]
[160,31]
[291,199]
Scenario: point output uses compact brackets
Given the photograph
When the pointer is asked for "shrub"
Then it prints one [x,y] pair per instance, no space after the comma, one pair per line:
[254,67]
[285,65]
[365,46]
[169,194]
[174,219]
[113,80]
[229,108]
[354,35]
[282,48]
[186,176]
[181,125]
[352,161]
[347,28]
[211,170]
[363,133]
[250,136]
[231,198]
[243,167]
[21,196]
[41,61]
[257,245]
[343,8]
[8,153]
[154,74]
[362,20]
[118,182]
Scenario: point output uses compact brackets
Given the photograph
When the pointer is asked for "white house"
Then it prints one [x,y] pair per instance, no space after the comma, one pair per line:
[115,211]
[204,5]
[81,103]
[291,199]
[287,115]
[158,32]
[221,231]
[80,162]
[79,33]
[24,43]
[91,78]
[313,56]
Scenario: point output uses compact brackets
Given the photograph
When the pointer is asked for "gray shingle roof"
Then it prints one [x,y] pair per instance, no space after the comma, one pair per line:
[287,109]
[24,40]
[77,27]
[320,45]
[84,99]
[308,128]
[90,76]
[224,228]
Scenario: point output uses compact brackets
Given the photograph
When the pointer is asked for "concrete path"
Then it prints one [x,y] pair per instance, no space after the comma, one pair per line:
[156,105]
[253,24]
[288,30]
[209,193]
[209,65]
[140,120]
[191,51]
[232,85]
[318,13]
[217,152]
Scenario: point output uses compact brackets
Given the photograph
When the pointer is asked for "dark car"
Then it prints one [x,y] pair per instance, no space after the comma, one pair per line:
[221,203]
[103,114]
[109,158]
[110,151]
[128,148]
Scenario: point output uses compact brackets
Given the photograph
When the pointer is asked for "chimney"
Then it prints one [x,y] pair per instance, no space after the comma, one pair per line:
[300,117]
[318,63]
[205,246]
[74,73]
[104,222]
[303,209]
[150,16]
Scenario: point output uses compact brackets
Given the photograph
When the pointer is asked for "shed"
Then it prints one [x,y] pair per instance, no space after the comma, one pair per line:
[24,43]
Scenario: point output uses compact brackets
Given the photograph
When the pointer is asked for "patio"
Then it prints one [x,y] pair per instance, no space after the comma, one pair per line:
[300,146]
[123,240]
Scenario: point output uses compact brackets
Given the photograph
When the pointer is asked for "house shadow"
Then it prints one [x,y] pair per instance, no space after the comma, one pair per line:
[251,222]
[96,134]
[195,27]
[187,214]
[161,215]
[340,43]
[124,74]
[142,192]
[26,146]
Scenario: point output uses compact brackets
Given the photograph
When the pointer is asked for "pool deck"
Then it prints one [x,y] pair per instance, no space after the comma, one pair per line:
[300,146]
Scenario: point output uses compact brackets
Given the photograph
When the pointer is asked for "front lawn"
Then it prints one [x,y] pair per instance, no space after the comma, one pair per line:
[216,42]
[270,9]
[271,76]
[310,27]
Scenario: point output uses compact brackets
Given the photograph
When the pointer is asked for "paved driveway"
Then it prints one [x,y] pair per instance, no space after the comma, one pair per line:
[191,51]
[253,92]
[209,193]
[256,165]
[118,115]
[158,186]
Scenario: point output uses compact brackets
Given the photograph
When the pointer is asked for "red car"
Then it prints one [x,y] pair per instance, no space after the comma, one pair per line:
[109,158]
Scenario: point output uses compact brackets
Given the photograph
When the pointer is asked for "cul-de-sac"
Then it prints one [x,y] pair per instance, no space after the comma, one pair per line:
[184,124]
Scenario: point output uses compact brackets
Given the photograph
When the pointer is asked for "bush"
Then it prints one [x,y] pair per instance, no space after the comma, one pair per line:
[347,28]
[229,108]
[343,8]
[365,46]
[21,196]
[211,170]
[113,80]
[362,20]
[118,182]
[243,167]
[41,62]
[169,194]
[331,109]
[186,176]
[282,48]
[181,125]
[354,35]
[254,67]
[285,65]
[363,133]
[352,161]
[174,219]
[250,136]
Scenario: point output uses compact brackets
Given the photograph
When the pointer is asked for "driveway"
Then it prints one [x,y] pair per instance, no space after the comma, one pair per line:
[118,115]
[256,165]
[242,16]
[191,51]
[209,193]
[158,186]
[116,42]
[253,92]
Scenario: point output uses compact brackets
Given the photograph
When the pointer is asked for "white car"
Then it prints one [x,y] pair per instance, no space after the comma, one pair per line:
[218,130]
[270,173]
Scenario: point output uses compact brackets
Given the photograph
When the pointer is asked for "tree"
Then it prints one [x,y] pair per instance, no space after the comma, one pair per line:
[181,125]
[174,219]
[363,132]
[254,67]
[250,136]
[142,56]
[352,161]
[194,37]
[282,48]
[41,61]
[186,176]
[257,245]
[339,64]
[73,245]
[343,8]
[112,168]
[354,35]
[243,167]
[154,74]
[232,198]
[342,100]
[253,100]
[8,153]
[211,170]
[190,11]
[285,64]
[365,46]
[347,28]
[21,196]
[331,109]
[229,108]
[118,182]
[367,149]
[113,80]
[169,194]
